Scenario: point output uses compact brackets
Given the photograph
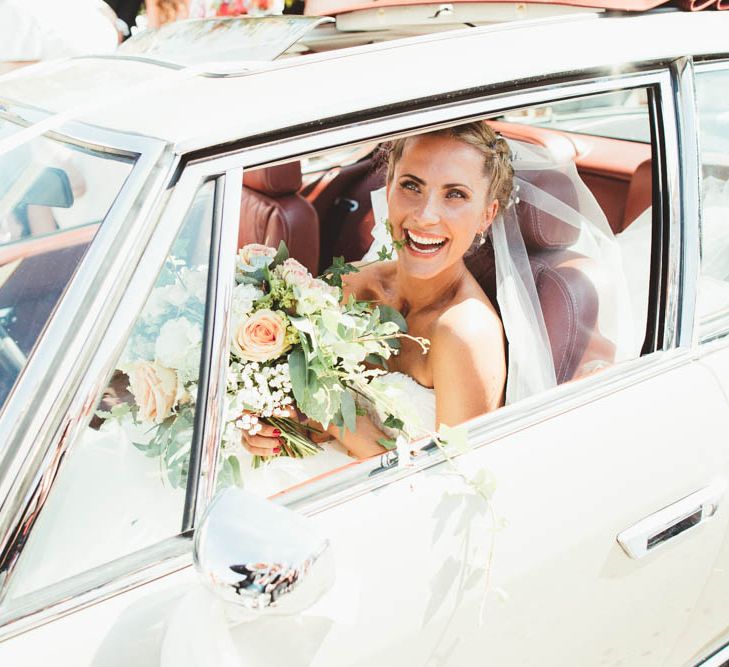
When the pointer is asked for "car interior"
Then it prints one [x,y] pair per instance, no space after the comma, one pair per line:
[327,212]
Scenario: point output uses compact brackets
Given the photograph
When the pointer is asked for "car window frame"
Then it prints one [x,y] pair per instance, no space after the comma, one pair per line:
[413,116]
[58,598]
[715,333]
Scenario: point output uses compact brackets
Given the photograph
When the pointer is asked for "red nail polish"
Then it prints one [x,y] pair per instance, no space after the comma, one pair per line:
[276,450]
[276,432]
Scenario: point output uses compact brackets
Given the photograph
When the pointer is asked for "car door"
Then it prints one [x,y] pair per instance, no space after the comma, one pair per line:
[608,515]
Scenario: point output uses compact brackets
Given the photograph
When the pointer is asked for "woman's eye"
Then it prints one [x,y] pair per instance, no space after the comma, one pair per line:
[456,194]
[410,185]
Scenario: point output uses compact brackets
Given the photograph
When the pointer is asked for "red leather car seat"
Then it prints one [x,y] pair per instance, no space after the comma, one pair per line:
[271,211]
[569,285]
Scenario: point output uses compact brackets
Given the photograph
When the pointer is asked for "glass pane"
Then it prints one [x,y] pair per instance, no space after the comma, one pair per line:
[122,487]
[221,39]
[53,196]
[618,115]
[712,90]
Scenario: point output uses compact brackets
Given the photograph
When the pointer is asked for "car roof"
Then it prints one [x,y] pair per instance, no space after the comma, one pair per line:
[192,109]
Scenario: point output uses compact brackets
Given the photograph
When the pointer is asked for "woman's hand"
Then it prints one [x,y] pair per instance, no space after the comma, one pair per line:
[259,438]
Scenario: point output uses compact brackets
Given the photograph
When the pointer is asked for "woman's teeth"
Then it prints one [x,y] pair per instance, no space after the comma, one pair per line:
[425,244]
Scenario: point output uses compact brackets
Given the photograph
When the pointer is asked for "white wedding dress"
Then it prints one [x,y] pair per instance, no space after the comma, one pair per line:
[412,402]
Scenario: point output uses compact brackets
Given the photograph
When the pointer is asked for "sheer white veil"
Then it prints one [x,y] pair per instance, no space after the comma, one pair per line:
[531,368]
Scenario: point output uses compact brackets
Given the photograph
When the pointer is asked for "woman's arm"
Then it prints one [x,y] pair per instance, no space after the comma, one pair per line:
[468,361]
[361,443]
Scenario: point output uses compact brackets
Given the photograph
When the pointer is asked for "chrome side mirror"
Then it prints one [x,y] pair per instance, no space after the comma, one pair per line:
[261,556]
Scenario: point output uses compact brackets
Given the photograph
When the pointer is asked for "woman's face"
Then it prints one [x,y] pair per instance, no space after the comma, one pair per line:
[437,203]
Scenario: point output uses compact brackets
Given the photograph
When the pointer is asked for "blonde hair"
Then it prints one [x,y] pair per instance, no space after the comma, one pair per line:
[496,152]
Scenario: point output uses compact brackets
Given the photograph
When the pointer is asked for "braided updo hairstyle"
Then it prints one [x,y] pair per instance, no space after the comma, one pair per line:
[496,153]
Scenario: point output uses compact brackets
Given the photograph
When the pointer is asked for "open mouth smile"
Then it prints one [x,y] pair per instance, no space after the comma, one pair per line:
[424,244]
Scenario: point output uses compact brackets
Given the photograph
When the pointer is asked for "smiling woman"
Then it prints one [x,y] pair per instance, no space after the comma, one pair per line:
[444,190]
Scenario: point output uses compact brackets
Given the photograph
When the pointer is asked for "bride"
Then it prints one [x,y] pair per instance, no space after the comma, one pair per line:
[444,191]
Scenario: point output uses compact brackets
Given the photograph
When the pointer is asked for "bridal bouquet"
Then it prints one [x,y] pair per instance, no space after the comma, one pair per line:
[294,348]
[294,343]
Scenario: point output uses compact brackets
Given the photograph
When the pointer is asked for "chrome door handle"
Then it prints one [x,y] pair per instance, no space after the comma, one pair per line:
[655,530]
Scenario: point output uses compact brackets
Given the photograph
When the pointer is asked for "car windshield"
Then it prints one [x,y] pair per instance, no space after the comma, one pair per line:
[53,196]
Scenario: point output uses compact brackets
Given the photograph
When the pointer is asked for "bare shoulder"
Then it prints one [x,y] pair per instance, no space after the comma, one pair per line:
[470,321]
[468,360]
[369,282]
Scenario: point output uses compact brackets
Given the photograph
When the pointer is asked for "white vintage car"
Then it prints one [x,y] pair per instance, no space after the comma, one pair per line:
[606,540]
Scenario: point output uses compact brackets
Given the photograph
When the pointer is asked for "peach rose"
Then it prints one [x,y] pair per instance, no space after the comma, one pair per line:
[261,337]
[294,273]
[156,390]
[248,252]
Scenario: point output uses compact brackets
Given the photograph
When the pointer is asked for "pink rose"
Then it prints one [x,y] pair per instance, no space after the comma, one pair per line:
[261,337]
[294,273]
[156,390]
[248,252]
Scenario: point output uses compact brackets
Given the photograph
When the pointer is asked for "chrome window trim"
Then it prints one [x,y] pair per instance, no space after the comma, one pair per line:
[671,292]
[711,65]
[218,327]
[45,375]
[689,189]
[715,327]
[718,658]
[363,476]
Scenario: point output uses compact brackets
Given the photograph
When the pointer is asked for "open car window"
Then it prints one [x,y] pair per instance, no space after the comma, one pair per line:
[337,202]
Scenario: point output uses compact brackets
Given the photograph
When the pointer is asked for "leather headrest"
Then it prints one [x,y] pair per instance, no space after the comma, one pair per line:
[281,179]
[542,231]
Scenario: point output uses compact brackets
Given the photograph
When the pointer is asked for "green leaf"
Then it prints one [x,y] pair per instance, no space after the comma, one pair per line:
[387,443]
[120,409]
[234,466]
[333,274]
[376,360]
[349,411]
[282,254]
[298,372]
[253,278]
[394,422]
[389,314]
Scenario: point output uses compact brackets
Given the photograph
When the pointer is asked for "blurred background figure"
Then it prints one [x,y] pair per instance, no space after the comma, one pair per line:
[206,8]
[157,12]
[33,30]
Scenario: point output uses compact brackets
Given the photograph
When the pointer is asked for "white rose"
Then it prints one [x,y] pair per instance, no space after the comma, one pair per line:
[178,346]
[244,297]
[315,297]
